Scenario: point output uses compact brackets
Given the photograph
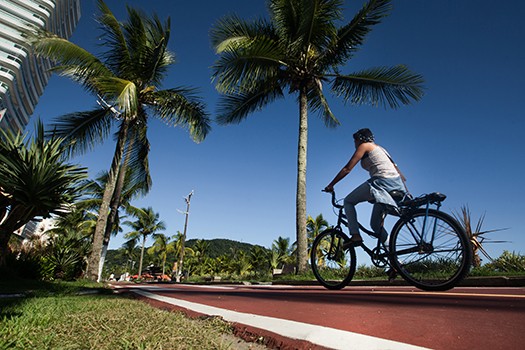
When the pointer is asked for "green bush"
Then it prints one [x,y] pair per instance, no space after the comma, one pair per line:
[508,262]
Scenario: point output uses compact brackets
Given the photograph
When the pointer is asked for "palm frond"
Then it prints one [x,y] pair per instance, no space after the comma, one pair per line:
[181,107]
[241,67]
[384,86]
[317,102]
[285,18]
[147,40]
[83,130]
[123,92]
[232,31]
[117,55]
[72,61]
[234,108]
[351,36]
[138,179]
[316,25]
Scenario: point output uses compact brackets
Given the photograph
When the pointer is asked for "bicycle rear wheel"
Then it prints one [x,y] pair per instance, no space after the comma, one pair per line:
[431,251]
[332,265]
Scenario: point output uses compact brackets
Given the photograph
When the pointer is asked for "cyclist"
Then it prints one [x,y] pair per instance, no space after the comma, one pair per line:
[385,177]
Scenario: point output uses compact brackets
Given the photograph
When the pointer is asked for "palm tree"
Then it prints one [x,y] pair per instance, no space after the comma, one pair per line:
[259,259]
[314,227]
[147,224]
[282,248]
[129,248]
[127,80]
[35,181]
[128,190]
[162,246]
[300,49]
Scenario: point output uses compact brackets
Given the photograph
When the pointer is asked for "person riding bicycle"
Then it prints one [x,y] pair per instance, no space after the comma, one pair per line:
[384,178]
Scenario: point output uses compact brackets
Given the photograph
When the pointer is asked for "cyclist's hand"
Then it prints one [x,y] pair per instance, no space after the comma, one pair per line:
[329,189]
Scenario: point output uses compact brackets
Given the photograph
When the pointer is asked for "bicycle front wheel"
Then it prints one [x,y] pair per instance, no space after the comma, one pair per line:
[332,265]
[430,251]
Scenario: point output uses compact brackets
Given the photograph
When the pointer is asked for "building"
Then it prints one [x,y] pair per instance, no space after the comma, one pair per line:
[23,76]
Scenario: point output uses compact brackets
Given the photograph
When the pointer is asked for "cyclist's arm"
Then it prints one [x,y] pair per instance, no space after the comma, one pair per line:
[356,157]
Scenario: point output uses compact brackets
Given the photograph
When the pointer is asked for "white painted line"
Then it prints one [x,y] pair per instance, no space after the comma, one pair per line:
[324,336]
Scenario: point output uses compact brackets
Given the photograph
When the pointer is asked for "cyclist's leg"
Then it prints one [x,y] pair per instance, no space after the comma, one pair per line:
[377,220]
[358,195]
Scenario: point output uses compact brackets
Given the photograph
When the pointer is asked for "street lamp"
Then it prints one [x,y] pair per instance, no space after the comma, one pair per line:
[181,259]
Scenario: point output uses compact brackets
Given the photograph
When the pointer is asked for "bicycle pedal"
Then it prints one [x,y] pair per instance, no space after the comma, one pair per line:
[392,274]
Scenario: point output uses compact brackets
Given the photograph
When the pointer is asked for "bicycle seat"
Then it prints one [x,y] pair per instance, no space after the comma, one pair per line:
[397,196]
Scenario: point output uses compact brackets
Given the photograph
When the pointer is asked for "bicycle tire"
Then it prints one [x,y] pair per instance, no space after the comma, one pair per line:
[434,266]
[333,266]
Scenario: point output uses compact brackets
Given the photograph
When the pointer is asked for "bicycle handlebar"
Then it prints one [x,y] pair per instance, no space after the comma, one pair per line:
[334,200]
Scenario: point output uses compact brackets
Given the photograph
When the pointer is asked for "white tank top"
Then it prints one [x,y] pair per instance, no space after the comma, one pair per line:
[378,164]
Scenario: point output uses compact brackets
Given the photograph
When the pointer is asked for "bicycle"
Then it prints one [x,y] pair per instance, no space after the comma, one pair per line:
[427,247]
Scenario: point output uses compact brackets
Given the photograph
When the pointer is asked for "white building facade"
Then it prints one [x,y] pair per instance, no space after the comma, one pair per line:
[23,76]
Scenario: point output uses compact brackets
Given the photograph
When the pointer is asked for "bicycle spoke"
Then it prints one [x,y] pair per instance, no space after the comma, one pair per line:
[430,251]
[332,265]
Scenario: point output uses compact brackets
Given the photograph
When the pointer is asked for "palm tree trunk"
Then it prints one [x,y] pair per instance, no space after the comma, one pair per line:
[113,210]
[302,255]
[100,229]
[142,256]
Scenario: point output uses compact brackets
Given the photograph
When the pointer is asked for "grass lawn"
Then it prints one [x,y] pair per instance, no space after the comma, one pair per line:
[67,316]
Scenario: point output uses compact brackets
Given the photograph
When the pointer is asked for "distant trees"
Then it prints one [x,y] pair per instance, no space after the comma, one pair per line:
[147,223]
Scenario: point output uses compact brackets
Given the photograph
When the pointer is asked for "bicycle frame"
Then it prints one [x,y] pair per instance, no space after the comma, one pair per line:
[378,259]
[380,255]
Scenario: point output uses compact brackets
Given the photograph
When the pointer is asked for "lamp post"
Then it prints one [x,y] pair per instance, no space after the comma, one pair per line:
[181,259]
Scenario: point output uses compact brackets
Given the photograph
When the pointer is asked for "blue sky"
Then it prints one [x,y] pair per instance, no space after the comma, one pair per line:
[465,138]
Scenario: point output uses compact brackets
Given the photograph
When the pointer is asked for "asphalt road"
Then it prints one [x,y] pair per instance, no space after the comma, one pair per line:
[311,317]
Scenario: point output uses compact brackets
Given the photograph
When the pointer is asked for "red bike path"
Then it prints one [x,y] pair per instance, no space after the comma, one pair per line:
[311,317]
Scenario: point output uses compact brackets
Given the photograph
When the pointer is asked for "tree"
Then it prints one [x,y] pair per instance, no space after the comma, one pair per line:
[147,224]
[162,246]
[300,49]
[314,227]
[129,249]
[127,80]
[35,181]
[128,190]
[281,246]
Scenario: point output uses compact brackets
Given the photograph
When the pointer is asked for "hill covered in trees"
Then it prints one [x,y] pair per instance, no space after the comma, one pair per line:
[221,246]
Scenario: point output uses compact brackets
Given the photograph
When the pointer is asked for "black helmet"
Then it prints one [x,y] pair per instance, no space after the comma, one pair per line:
[364,135]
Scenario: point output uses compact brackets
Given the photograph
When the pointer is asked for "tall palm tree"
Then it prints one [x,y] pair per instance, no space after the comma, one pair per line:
[300,49]
[35,181]
[147,224]
[126,78]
